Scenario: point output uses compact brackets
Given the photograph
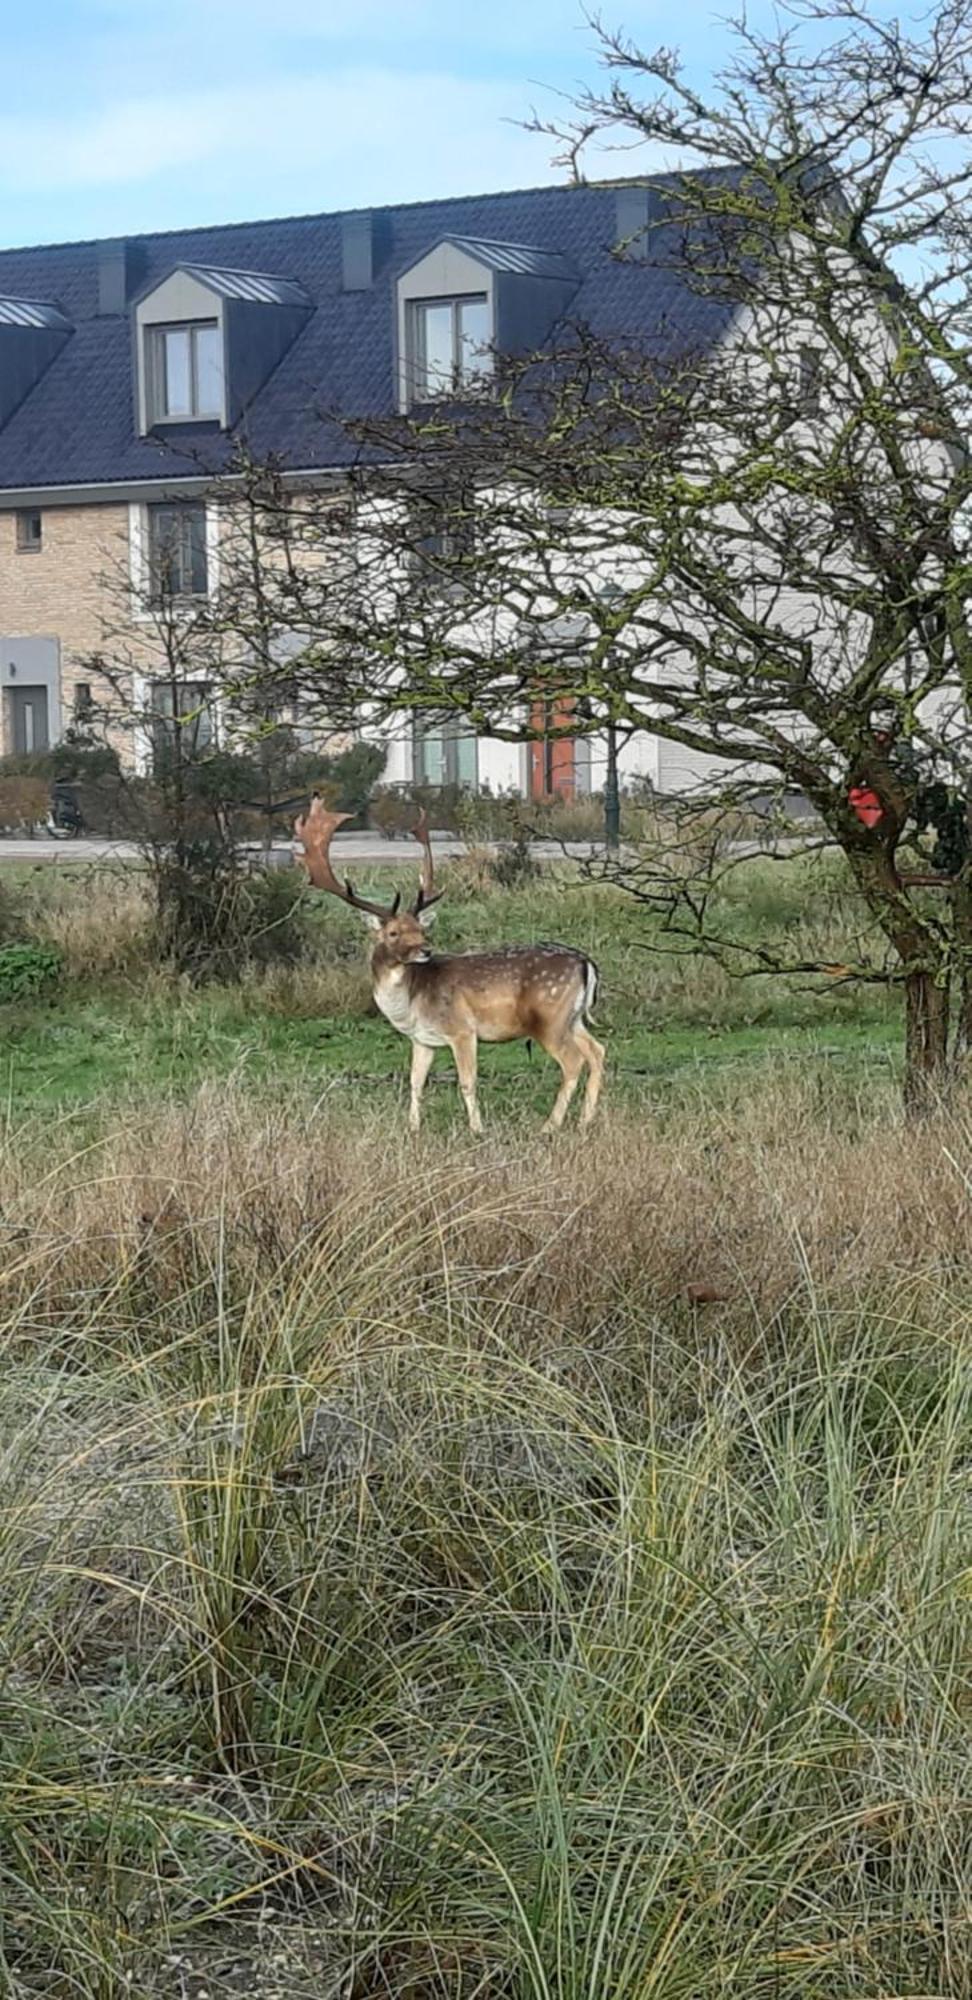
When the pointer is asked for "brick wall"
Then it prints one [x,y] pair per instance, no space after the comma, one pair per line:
[71,589]
[76,588]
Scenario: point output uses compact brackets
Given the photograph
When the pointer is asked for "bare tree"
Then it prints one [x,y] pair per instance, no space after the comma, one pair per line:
[747,533]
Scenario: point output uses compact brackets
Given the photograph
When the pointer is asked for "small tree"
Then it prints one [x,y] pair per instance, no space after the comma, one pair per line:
[202,746]
[168,783]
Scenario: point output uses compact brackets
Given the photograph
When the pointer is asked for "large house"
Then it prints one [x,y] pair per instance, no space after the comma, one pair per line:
[127,368]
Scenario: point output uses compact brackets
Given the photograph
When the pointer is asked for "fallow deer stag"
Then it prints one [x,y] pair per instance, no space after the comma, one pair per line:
[541,993]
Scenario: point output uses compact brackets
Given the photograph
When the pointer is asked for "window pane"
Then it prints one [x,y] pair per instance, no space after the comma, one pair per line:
[176,376]
[474,356]
[177,552]
[432,759]
[466,761]
[162,698]
[182,720]
[435,355]
[197,575]
[195,703]
[809,388]
[29,531]
[162,550]
[209,372]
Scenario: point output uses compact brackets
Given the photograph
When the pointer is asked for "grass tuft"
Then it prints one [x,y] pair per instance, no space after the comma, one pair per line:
[406,1589]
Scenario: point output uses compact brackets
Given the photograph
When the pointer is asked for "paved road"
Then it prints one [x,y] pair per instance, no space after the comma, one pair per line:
[360,847]
[353,847]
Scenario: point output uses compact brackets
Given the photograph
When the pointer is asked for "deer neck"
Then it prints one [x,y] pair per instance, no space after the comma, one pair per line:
[387,970]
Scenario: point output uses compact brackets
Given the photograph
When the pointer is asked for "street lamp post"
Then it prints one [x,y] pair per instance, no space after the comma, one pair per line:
[612,796]
[609,593]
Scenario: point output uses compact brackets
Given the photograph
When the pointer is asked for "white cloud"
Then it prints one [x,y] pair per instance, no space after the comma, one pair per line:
[347,135]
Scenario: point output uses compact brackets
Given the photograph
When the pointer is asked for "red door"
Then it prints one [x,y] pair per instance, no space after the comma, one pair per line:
[553,758]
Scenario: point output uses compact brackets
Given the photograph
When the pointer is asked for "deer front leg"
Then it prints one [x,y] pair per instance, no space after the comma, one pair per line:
[422,1059]
[464,1050]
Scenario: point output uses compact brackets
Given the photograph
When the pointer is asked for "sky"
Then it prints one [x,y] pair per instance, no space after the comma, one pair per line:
[129,115]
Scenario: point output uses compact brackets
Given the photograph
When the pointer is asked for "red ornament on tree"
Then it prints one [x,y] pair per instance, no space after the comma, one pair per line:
[865,804]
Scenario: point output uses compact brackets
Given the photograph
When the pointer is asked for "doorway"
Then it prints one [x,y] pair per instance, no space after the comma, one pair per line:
[553,756]
[29,720]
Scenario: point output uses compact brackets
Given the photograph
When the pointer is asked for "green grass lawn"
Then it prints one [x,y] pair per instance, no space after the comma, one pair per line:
[83,1048]
[672,1022]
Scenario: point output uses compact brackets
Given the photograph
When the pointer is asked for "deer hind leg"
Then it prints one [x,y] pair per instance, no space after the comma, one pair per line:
[567,1053]
[422,1060]
[464,1050]
[575,1051]
[593,1053]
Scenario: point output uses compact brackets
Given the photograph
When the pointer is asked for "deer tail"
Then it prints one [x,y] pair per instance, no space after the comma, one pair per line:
[592,980]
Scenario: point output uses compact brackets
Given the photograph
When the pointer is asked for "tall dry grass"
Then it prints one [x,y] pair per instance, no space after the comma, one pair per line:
[798,1181]
[408,1588]
[99,919]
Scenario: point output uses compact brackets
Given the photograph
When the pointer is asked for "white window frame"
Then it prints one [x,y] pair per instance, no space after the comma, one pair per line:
[419,391]
[155,373]
[139,560]
[142,745]
[25,544]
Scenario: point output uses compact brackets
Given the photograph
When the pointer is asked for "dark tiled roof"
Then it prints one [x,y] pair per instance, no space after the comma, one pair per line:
[77,426]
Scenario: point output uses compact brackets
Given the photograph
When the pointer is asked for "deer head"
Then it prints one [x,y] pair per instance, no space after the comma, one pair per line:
[401,933]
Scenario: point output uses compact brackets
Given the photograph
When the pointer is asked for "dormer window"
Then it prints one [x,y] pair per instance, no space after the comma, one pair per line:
[449,345]
[207,339]
[186,369]
[467,300]
[32,334]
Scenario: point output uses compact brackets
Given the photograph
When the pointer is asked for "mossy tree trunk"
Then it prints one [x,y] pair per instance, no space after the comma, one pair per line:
[925,953]
[927,1068]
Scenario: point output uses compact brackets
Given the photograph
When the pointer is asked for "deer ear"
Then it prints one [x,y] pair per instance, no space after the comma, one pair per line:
[370,921]
[427,917]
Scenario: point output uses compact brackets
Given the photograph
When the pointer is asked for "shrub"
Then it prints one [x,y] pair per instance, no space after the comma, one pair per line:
[111,802]
[394,809]
[28,971]
[12,915]
[27,764]
[271,915]
[513,864]
[392,812]
[24,803]
[346,780]
[488,816]
[215,919]
[82,762]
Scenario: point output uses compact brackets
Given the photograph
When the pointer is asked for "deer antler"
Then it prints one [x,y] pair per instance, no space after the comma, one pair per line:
[314,832]
[426,895]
